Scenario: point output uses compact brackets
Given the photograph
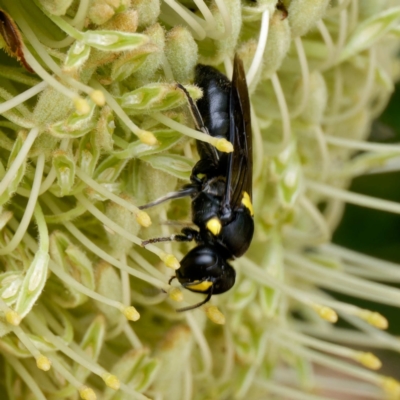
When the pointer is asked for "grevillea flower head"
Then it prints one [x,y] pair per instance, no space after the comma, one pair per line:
[101,127]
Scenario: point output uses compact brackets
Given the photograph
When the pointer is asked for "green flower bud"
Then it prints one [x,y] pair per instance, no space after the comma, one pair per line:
[126,220]
[303,14]
[109,169]
[108,283]
[113,40]
[131,61]
[181,52]
[89,152]
[105,130]
[10,283]
[64,165]
[33,283]
[158,97]
[52,106]
[159,184]
[286,167]
[77,55]
[126,21]
[278,44]
[146,71]
[76,125]
[101,11]
[175,165]
[148,11]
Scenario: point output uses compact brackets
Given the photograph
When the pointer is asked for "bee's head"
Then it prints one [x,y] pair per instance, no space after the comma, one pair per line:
[205,269]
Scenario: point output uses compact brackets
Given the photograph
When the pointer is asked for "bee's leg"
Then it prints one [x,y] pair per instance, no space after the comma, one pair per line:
[188,234]
[172,278]
[187,190]
[203,167]
[206,300]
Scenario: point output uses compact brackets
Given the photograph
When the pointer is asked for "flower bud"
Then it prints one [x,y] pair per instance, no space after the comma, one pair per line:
[148,11]
[278,44]
[131,61]
[158,97]
[181,52]
[64,166]
[77,55]
[108,283]
[126,21]
[145,71]
[77,124]
[303,14]
[126,220]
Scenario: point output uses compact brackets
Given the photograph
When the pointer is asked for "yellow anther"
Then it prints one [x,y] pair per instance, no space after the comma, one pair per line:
[369,360]
[176,294]
[170,260]
[200,286]
[131,313]
[143,219]
[246,201]
[215,315]
[13,318]
[147,137]
[214,226]
[374,318]
[87,393]
[390,386]
[326,313]
[98,97]
[111,381]
[223,145]
[43,363]
[82,106]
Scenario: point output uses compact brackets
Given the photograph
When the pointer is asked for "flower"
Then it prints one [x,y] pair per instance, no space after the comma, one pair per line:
[102,128]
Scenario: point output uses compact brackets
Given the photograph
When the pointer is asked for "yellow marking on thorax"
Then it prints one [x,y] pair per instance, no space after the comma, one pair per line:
[199,287]
[214,226]
[247,203]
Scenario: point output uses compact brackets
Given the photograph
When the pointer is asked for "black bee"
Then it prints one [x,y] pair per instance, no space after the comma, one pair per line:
[221,185]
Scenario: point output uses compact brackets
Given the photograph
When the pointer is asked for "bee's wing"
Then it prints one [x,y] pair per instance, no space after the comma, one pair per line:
[239,177]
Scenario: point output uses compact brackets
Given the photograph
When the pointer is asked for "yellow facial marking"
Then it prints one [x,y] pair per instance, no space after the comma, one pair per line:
[214,226]
[247,203]
[199,287]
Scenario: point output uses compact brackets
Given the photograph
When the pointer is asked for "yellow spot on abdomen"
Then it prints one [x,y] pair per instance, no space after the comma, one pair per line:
[214,226]
[246,201]
[199,286]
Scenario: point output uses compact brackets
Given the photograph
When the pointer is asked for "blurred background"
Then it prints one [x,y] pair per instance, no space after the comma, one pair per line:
[373,232]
